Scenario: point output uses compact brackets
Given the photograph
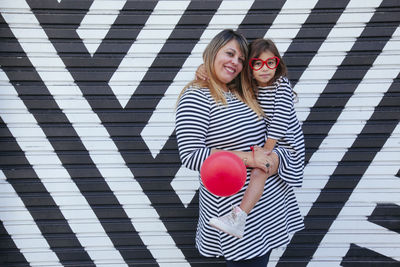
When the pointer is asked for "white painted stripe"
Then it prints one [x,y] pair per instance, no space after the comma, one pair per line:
[100,12]
[145,49]
[14,4]
[185,184]
[376,238]
[27,237]
[120,169]
[45,176]
[156,136]
[316,166]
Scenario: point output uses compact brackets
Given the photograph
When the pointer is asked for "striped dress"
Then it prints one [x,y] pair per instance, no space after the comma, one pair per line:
[202,124]
[277,102]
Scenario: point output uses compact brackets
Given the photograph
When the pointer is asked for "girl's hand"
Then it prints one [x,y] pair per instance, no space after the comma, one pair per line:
[201,73]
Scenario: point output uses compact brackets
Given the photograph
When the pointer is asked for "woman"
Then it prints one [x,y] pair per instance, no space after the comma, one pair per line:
[223,114]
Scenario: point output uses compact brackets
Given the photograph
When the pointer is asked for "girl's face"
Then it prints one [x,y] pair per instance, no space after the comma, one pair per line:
[228,62]
[264,75]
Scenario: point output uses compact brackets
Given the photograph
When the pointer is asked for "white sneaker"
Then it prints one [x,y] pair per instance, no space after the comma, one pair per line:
[232,223]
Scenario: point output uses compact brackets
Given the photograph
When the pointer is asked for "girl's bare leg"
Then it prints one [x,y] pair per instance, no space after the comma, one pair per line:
[234,223]
[254,190]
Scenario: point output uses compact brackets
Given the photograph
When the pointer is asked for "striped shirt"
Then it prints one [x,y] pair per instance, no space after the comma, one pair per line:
[202,124]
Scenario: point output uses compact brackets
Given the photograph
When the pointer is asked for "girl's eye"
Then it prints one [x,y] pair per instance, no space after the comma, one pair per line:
[257,63]
[230,54]
[272,62]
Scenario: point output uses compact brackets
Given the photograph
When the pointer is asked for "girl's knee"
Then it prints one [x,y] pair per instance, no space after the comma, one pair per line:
[257,174]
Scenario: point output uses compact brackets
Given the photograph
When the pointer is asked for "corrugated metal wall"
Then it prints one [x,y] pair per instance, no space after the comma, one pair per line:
[89,170]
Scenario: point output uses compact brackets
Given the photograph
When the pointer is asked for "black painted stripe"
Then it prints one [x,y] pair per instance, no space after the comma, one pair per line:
[386,215]
[360,257]
[10,255]
[260,18]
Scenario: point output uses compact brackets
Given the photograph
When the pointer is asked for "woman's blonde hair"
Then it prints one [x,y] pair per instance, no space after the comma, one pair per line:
[241,85]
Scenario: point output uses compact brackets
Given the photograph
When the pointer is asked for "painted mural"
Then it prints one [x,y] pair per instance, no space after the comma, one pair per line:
[89,169]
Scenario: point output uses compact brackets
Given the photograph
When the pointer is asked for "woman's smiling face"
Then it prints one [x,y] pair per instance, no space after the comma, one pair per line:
[228,62]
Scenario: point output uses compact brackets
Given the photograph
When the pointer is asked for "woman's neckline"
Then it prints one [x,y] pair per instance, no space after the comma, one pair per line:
[228,94]
[266,87]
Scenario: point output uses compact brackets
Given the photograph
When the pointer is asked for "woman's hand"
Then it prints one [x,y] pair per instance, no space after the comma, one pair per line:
[260,159]
[266,160]
[201,73]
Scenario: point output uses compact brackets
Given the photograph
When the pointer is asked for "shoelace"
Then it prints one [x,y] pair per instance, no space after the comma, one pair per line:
[232,218]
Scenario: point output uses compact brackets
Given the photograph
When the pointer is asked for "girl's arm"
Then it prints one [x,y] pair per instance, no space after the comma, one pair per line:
[290,170]
[201,73]
[253,159]
[283,106]
[270,144]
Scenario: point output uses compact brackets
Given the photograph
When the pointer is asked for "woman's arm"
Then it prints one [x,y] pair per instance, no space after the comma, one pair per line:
[256,159]
[191,121]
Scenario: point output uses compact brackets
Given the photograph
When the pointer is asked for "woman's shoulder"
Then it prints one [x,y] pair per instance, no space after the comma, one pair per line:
[197,88]
[197,91]
[196,95]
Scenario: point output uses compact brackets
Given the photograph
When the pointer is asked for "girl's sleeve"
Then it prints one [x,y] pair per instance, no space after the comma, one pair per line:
[192,121]
[291,167]
[283,106]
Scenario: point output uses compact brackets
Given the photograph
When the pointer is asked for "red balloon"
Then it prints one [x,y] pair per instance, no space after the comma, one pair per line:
[223,173]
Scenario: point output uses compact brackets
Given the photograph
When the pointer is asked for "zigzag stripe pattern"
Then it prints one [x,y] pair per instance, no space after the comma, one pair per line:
[89,169]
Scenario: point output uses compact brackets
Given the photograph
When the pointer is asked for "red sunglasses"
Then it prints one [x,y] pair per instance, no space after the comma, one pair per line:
[258,63]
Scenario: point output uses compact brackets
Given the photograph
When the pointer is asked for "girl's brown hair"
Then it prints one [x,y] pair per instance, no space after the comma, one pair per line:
[240,85]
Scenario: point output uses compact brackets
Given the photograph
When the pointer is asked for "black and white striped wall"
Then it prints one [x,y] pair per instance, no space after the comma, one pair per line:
[89,170]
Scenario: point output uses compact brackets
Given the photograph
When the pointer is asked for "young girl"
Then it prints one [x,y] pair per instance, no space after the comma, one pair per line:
[275,95]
